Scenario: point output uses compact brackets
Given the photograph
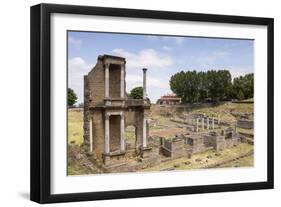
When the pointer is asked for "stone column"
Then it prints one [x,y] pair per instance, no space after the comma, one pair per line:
[106,80]
[197,123]
[122,83]
[106,135]
[202,120]
[144,133]
[213,123]
[91,134]
[208,124]
[122,133]
[144,82]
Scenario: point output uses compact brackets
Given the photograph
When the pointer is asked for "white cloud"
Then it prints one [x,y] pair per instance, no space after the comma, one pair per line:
[136,80]
[77,43]
[177,40]
[212,58]
[77,68]
[148,58]
[166,48]
[173,39]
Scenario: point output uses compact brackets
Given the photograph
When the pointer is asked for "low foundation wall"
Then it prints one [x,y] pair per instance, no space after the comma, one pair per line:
[245,124]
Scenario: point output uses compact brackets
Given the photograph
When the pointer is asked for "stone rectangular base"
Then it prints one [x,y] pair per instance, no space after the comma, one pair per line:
[142,163]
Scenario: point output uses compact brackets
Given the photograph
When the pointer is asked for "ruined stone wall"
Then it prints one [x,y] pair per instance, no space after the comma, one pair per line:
[210,141]
[98,133]
[220,142]
[94,95]
[245,124]
[114,81]
[198,145]
[130,117]
[96,84]
[86,123]
[174,148]
[215,141]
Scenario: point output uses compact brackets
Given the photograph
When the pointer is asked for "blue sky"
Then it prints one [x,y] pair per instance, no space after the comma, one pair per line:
[162,55]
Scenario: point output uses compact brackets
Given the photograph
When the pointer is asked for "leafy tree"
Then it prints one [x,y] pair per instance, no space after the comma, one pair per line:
[245,84]
[240,95]
[136,93]
[178,85]
[192,82]
[71,97]
[225,83]
[203,89]
[216,85]
[213,84]
[249,85]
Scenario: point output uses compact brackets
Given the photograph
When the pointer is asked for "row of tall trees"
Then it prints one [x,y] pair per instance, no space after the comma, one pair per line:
[213,85]
[243,86]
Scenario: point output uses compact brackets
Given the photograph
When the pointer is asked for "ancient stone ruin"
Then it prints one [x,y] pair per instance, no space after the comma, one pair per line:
[199,122]
[186,145]
[108,110]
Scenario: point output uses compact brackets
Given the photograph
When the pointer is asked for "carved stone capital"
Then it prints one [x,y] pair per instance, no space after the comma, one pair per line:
[106,65]
[107,115]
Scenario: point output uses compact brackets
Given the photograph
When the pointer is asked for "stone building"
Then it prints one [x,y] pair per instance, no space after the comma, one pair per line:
[169,99]
[188,144]
[108,110]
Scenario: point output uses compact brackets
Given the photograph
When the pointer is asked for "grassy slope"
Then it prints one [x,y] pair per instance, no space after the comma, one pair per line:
[75,126]
[223,111]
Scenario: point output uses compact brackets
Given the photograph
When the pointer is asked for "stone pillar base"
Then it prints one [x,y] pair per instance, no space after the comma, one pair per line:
[113,158]
[106,159]
[145,152]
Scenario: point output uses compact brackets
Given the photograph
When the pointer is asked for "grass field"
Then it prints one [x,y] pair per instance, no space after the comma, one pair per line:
[75,126]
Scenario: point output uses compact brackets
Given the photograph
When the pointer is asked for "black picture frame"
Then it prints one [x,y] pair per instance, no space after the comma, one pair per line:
[41,102]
